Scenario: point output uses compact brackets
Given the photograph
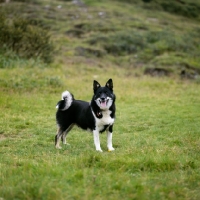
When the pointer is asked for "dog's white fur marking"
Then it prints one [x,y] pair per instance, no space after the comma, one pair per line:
[109,141]
[68,99]
[97,140]
[100,123]
[65,94]
[108,100]
[105,120]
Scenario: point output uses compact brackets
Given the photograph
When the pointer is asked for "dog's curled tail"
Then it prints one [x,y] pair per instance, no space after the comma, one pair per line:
[66,102]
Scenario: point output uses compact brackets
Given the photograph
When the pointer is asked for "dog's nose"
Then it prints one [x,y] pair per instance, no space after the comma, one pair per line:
[103,97]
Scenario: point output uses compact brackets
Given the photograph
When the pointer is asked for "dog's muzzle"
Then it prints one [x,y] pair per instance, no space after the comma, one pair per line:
[103,102]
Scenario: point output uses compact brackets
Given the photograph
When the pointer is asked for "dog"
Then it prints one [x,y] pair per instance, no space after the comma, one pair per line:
[96,116]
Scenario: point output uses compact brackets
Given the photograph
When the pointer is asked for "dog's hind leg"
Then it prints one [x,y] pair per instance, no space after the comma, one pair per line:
[58,137]
[64,135]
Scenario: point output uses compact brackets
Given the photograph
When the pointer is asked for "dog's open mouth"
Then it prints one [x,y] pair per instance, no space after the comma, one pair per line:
[103,103]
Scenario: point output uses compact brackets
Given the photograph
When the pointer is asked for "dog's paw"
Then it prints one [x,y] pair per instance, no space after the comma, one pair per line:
[100,150]
[66,143]
[111,149]
[58,147]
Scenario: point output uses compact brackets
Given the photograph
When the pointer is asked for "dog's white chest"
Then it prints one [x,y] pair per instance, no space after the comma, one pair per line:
[105,120]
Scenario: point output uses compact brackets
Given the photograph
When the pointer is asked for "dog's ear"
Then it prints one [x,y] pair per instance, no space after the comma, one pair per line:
[109,84]
[96,85]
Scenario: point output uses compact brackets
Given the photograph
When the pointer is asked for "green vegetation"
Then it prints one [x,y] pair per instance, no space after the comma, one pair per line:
[186,8]
[134,33]
[156,134]
[25,38]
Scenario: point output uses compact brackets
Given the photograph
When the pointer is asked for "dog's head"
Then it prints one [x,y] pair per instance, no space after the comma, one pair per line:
[104,96]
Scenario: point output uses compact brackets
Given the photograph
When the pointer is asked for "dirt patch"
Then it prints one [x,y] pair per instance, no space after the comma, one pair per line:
[2,137]
[156,72]
[82,51]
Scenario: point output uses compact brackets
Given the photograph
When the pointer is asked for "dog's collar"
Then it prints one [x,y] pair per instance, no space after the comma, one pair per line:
[99,113]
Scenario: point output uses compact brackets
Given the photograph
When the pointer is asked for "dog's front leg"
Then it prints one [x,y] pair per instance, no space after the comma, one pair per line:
[109,139]
[97,140]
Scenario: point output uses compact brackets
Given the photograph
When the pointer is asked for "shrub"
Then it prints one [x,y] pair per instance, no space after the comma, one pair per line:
[168,41]
[124,43]
[25,39]
[24,1]
[190,9]
[148,45]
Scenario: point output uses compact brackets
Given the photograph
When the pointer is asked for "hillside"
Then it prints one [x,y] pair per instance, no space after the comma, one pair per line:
[134,34]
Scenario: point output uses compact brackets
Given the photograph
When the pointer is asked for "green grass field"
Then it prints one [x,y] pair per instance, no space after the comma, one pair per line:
[156,133]
[156,137]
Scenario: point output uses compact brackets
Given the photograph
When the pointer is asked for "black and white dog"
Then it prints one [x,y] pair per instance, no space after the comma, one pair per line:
[96,116]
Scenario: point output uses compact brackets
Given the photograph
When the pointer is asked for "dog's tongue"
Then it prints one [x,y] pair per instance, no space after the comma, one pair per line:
[103,104]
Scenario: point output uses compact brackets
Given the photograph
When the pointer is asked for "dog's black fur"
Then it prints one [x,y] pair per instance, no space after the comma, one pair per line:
[96,116]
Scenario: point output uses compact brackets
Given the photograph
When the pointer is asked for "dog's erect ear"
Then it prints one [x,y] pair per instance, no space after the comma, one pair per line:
[96,85]
[109,84]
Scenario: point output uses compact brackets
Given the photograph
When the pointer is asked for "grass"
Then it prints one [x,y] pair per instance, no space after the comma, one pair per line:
[156,137]
[156,133]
